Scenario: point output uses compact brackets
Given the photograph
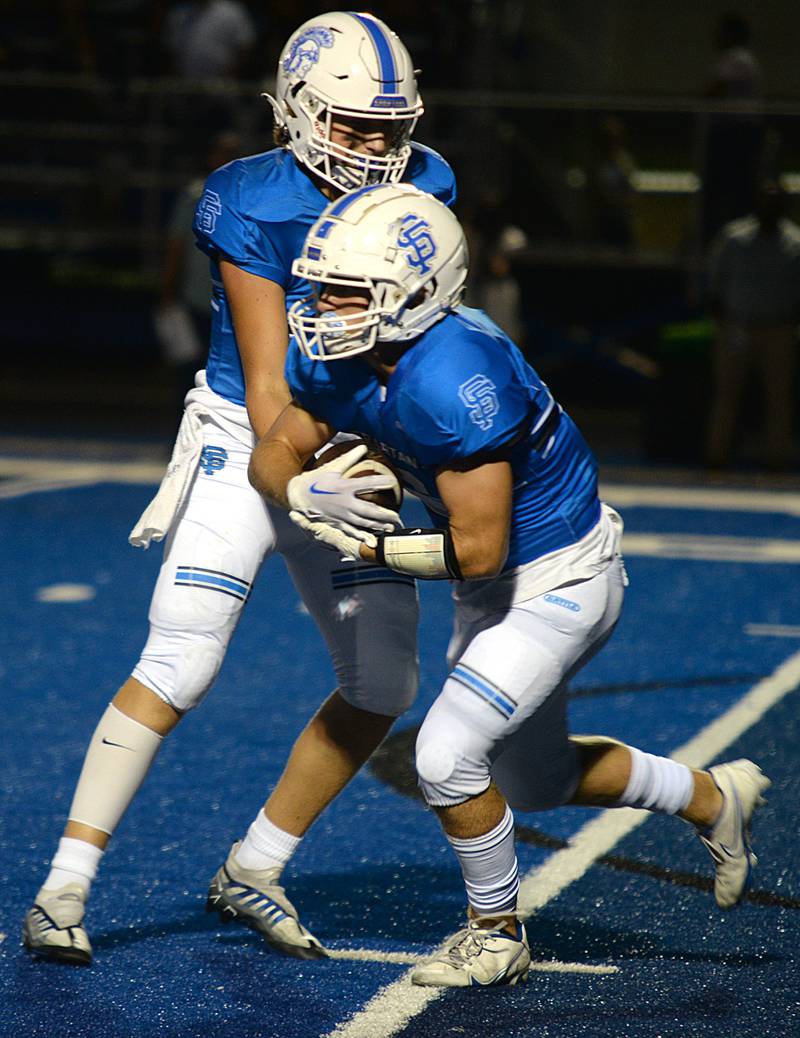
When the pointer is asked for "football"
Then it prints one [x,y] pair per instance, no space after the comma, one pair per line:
[374,463]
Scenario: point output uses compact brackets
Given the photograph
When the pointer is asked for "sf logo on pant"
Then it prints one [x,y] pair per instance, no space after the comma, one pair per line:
[213,459]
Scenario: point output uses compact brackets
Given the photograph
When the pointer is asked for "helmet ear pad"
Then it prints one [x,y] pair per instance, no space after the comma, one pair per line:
[280,131]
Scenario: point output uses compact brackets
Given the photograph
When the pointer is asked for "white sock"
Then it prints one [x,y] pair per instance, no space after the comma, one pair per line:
[657,784]
[489,867]
[75,861]
[266,846]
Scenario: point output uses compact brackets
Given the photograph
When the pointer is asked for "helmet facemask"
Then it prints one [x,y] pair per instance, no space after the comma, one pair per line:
[336,164]
[332,336]
[346,66]
[400,247]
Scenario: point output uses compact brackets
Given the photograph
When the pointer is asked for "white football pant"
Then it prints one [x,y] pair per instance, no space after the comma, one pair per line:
[502,712]
[212,555]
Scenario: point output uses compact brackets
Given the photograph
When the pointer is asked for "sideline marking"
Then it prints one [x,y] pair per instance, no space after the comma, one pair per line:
[773,630]
[77,471]
[411,959]
[711,548]
[701,498]
[390,1009]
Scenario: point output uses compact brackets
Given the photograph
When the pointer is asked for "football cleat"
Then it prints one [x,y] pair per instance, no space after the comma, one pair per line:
[477,957]
[256,899]
[742,784]
[53,928]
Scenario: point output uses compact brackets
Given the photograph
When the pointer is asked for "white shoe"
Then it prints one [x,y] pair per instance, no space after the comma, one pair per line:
[256,899]
[478,957]
[742,784]
[53,928]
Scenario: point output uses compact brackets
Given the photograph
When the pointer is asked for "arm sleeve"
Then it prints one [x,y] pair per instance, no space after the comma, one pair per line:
[222,227]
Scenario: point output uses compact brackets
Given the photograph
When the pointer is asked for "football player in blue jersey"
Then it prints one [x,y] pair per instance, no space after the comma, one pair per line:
[346,103]
[385,349]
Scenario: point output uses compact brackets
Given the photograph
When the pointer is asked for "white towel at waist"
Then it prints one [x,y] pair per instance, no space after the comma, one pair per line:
[157,518]
[201,404]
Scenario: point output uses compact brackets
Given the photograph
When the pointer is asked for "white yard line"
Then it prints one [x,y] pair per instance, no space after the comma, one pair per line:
[397,1003]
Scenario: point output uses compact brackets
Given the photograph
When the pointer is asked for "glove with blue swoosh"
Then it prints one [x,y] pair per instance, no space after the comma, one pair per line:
[327,494]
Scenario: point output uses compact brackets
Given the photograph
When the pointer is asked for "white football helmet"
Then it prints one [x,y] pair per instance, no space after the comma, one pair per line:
[353,66]
[402,245]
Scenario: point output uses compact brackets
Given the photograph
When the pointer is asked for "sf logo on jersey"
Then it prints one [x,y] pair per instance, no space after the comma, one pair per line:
[304,52]
[208,209]
[478,395]
[414,238]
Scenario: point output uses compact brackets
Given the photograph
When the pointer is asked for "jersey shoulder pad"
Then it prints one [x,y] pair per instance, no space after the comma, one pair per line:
[428,171]
[259,187]
[246,211]
[465,394]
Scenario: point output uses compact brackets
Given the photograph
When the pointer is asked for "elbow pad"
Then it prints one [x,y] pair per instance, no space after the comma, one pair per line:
[427,554]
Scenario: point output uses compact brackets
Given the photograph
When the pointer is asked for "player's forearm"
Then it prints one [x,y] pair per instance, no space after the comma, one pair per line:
[264,405]
[480,554]
[272,464]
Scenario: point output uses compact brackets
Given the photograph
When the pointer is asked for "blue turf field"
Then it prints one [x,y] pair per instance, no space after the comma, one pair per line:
[375,873]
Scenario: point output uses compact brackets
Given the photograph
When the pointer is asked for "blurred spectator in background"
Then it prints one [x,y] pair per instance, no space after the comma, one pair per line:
[500,291]
[495,241]
[610,187]
[208,39]
[755,298]
[734,140]
[183,318]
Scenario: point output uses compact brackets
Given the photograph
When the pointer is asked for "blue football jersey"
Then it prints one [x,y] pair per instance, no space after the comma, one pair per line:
[256,212]
[463,390]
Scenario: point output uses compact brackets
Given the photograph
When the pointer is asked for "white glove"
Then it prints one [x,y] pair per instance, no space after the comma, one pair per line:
[326,493]
[348,545]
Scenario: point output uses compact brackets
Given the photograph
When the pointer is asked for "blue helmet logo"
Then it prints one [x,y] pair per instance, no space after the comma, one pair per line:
[414,238]
[304,52]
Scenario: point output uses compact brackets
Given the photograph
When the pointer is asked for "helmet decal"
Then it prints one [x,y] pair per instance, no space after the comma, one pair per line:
[414,239]
[305,50]
[410,265]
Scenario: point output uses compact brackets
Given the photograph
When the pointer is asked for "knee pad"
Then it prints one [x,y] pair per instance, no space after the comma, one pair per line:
[447,776]
[180,670]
